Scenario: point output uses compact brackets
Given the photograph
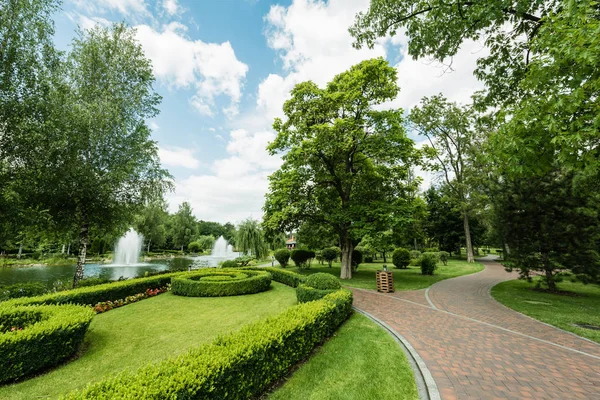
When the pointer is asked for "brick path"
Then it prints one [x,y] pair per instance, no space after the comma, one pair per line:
[475,348]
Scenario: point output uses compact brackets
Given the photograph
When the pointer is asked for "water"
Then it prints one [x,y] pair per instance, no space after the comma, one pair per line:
[221,251]
[128,248]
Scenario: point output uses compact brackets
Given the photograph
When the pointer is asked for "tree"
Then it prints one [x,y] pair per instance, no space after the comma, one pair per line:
[250,239]
[444,222]
[206,242]
[330,254]
[150,222]
[345,162]
[449,129]
[183,226]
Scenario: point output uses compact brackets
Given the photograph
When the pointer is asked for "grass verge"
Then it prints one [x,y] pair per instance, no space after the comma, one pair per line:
[361,361]
[404,279]
[561,311]
[150,330]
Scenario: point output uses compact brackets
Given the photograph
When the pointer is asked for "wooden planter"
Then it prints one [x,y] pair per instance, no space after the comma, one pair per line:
[385,281]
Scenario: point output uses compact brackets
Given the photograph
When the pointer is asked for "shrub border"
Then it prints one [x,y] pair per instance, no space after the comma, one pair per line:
[186,285]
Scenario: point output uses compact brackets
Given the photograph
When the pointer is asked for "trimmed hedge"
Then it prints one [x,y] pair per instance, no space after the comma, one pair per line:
[36,337]
[282,256]
[401,258]
[301,257]
[322,281]
[305,293]
[229,264]
[211,283]
[239,366]
[22,290]
[93,295]
[288,278]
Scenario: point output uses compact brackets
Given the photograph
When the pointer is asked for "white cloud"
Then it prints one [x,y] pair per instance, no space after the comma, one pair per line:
[171,6]
[178,157]
[124,7]
[211,69]
[85,22]
[153,125]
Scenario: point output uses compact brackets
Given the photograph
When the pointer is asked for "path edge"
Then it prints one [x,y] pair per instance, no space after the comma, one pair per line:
[426,385]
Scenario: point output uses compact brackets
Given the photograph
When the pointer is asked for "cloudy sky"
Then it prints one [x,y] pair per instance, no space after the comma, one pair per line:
[224,69]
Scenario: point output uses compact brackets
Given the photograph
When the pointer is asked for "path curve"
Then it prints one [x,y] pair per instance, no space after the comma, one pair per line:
[476,348]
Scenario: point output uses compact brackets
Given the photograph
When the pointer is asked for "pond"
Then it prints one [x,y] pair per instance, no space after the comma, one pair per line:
[51,273]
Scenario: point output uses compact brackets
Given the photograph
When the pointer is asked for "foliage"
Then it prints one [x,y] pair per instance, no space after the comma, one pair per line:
[401,258]
[357,258]
[229,264]
[322,281]
[444,222]
[105,306]
[282,256]
[305,293]
[250,239]
[244,260]
[301,257]
[345,163]
[428,262]
[240,365]
[288,278]
[92,282]
[151,223]
[415,254]
[37,337]
[200,284]
[194,247]
[183,226]
[330,254]
[22,290]
[206,242]
[444,255]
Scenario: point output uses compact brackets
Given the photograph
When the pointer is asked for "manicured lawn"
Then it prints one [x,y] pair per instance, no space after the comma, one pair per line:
[558,310]
[361,361]
[151,330]
[404,279]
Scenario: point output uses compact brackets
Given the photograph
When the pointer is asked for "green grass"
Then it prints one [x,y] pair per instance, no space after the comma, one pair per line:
[361,361]
[151,330]
[554,309]
[404,279]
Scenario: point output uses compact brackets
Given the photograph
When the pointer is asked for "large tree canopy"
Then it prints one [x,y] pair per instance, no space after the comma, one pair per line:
[345,162]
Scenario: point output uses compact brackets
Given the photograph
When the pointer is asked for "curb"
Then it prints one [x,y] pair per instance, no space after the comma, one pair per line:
[426,385]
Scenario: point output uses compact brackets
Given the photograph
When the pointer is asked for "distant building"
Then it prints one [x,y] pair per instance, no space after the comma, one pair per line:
[291,243]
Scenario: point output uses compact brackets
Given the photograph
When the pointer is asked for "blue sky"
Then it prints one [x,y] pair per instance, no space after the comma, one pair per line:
[224,69]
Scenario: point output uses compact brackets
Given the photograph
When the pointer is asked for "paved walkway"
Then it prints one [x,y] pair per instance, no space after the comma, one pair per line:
[475,348]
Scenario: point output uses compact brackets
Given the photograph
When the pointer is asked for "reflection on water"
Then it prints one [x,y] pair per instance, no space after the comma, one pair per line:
[49,274]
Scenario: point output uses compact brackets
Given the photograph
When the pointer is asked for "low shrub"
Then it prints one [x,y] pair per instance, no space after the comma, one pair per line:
[22,290]
[203,283]
[357,258]
[368,259]
[431,250]
[92,282]
[282,256]
[33,338]
[428,263]
[229,264]
[244,260]
[330,254]
[301,257]
[444,255]
[288,278]
[195,247]
[305,293]
[415,254]
[401,258]
[322,281]
[239,366]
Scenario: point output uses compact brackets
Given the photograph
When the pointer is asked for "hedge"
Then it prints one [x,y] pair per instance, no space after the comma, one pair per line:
[288,278]
[323,281]
[237,282]
[36,337]
[305,293]
[93,295]
[238,366]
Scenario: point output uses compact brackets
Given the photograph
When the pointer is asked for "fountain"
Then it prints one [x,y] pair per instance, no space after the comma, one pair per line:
[127,250]
[221,251]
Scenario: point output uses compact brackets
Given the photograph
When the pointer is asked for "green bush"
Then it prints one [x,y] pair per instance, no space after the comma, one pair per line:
[401,258]
[444,255]
[330,254]
[229,264]
[301,257]
[37,337]
[322,281]
[288,278]
[368,259]
[428,263]
[106,292]
[282,256]
[22,290]
[195,247]
[92,282]
[239,366]
[357,258]
[203,283]
[305,293]
[415,254]
[431,250]
[244,260]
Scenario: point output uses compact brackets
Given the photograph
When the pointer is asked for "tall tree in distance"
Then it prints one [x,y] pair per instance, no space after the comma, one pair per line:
[250,239]
[150,222]
[345,162]
[183,226]
[449,130]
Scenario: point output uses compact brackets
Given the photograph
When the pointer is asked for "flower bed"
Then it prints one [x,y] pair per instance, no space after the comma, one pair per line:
[37,337]
[105,306]
[217,283]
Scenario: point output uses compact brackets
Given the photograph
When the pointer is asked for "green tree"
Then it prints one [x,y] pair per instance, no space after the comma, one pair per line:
[183,226]
[206,242]
[449,130]
[444,222]
[150,222]
[250,239]
[345,162]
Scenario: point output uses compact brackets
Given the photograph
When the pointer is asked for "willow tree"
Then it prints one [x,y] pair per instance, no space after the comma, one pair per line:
[250,239]
[345,161]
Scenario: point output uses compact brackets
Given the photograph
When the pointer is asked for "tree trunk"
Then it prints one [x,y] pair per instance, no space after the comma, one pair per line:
[83,243]
[148,251]
[69,249]
[549,275]
[62,251]
[470,257]
[20,250]
[347,247]
[384,258]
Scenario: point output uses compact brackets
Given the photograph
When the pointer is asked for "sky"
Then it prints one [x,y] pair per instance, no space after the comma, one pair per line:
[224,69]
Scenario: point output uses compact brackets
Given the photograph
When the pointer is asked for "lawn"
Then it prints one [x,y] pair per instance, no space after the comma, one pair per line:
[404,279]
[558,310]
[361,361]
[151,330]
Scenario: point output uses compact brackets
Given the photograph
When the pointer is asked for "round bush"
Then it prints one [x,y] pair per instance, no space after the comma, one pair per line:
[322,281]
[301,257]
[444,255]
[229,264]
[306,293]
[401,258]
[282,256]
[415,254]
[428,263]
[33,338]
[330,254]
[215,283]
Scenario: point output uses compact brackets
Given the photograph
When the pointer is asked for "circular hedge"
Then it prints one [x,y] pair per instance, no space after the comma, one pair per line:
[217,283]
[36,337]
[317,286]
